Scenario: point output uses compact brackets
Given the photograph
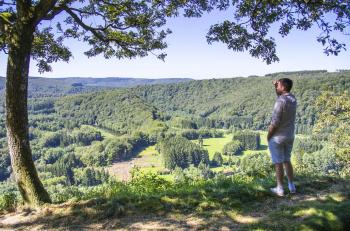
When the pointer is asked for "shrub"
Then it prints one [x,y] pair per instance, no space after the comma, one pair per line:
[146,183]
[249,139]
[308,145]
[233,148]
[256,164]
[7,201]
[324,162]
[217,160]
[193,174]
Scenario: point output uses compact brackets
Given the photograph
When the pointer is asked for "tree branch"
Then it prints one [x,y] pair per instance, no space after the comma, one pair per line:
[84,26]
[42,9]
[96,32]
[55,11]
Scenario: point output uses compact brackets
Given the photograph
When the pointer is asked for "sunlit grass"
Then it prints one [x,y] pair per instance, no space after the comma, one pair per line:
[149,151]
[153,159]
[215,144]
[242,219]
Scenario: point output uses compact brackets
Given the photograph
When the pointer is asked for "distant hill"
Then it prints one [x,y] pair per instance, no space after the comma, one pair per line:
[56,87]
[219,103]
[242,102]
[39,87]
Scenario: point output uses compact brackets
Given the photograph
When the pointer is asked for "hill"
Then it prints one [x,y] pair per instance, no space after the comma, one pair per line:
[39,87]
[242,102]
[119,111]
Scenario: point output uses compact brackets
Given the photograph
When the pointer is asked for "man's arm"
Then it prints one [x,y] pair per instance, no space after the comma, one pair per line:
[271,131]
[276,119]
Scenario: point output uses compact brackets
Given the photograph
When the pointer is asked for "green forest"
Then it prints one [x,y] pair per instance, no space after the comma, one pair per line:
[77,133]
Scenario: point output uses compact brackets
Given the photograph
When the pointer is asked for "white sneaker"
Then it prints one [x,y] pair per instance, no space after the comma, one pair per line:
[292,188]
[277,191]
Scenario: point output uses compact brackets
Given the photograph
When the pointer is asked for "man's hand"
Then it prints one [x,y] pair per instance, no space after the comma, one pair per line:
[270,132]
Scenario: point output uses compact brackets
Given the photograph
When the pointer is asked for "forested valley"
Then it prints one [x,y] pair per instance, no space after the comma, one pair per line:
[211,131]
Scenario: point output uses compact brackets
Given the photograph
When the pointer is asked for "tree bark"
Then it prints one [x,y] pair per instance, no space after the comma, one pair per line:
[29,184]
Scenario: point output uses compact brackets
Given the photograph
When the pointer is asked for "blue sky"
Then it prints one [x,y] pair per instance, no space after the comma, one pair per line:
[189,56]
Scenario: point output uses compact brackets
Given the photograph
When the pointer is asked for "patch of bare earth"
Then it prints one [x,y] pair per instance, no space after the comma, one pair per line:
[122,169]
[54,218]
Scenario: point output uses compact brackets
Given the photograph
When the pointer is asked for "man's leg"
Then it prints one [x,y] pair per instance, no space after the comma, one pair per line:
[289,171]
[288,165]
[276,152]
[290,176]
[279,175]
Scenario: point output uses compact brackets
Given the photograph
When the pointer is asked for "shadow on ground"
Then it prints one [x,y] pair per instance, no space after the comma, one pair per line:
[319,205]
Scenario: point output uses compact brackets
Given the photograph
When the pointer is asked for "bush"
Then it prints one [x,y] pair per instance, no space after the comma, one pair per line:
[324,162]
[7,201]
[308,145]
[217,160]
[233,148]
[256,164]
[146,183]
[193,174]
[249,139]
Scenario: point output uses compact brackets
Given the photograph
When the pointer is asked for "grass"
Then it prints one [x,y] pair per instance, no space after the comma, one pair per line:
[215,144]
[237,202]
[150,151]
[325,213]
[152,157]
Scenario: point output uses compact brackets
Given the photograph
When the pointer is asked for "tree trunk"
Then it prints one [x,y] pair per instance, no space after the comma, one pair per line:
[30,187]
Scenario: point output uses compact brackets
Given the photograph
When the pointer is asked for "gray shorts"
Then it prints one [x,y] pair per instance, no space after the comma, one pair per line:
[280,149]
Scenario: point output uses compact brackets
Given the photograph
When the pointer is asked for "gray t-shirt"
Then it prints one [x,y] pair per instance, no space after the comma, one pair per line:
[283,116]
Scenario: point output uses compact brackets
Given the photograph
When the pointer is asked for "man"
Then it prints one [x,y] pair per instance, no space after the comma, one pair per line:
[281,134]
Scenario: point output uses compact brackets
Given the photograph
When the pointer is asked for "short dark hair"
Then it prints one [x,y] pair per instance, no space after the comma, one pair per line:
[287,83]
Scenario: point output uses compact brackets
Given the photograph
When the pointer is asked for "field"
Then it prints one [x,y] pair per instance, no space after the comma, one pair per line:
[149,159]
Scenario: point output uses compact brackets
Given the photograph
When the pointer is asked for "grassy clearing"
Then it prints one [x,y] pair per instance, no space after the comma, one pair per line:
[154,161]
[215,144]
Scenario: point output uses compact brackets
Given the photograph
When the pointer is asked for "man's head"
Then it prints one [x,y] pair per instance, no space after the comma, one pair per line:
[283,85]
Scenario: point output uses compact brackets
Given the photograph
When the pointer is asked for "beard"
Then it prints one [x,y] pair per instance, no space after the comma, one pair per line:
[278,93]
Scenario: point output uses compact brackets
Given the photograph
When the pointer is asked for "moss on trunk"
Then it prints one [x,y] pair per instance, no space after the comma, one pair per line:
[23,167]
